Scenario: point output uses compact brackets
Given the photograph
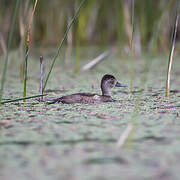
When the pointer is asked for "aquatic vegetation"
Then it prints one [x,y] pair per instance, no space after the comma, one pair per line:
[135,133]
[62,136]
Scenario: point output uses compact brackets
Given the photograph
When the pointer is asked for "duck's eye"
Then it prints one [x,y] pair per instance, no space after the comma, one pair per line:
[111,81]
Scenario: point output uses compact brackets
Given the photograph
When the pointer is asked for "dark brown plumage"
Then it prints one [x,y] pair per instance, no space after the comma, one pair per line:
[107,83]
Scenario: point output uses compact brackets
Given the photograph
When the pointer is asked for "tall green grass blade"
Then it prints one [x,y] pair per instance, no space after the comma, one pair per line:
[8,47]
[62,41]
[172,47]
[19,99]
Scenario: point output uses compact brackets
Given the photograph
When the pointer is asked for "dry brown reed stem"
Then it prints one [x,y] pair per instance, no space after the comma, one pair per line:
[30,24]
[28,47]
[24,15]
[171,54]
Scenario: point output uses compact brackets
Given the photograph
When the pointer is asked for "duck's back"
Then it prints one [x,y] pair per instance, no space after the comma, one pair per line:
[83,98]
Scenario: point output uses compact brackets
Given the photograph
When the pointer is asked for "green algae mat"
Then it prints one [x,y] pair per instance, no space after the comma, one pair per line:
[58,141]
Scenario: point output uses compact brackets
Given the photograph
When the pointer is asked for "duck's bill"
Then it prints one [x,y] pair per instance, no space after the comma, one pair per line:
[119,85]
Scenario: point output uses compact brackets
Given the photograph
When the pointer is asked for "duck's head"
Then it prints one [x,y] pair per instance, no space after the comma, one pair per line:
[107,83]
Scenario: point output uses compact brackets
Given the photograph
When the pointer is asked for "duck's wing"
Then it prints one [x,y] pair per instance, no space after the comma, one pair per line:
[75,98]
[83,98]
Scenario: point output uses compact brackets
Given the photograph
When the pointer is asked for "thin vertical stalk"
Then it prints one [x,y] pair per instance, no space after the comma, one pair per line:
[62,41]
[8,47]
[171,54]
[131,126]
[131,45]
[25,70]
[133,26]
[41,76]
[27,48]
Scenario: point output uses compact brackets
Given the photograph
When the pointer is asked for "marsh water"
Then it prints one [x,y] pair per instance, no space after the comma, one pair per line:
[72,142]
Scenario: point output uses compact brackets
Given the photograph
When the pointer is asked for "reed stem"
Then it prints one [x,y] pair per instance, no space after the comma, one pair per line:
[8,47]
[171,53]
[132,46]
[62,41]
[19,99]
[27,48]
[25,70]
[41,77]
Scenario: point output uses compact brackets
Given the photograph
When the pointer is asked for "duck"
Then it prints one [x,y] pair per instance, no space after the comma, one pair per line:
[107,83]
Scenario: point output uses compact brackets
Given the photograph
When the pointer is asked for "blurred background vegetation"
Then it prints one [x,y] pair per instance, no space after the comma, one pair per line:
[99,23]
